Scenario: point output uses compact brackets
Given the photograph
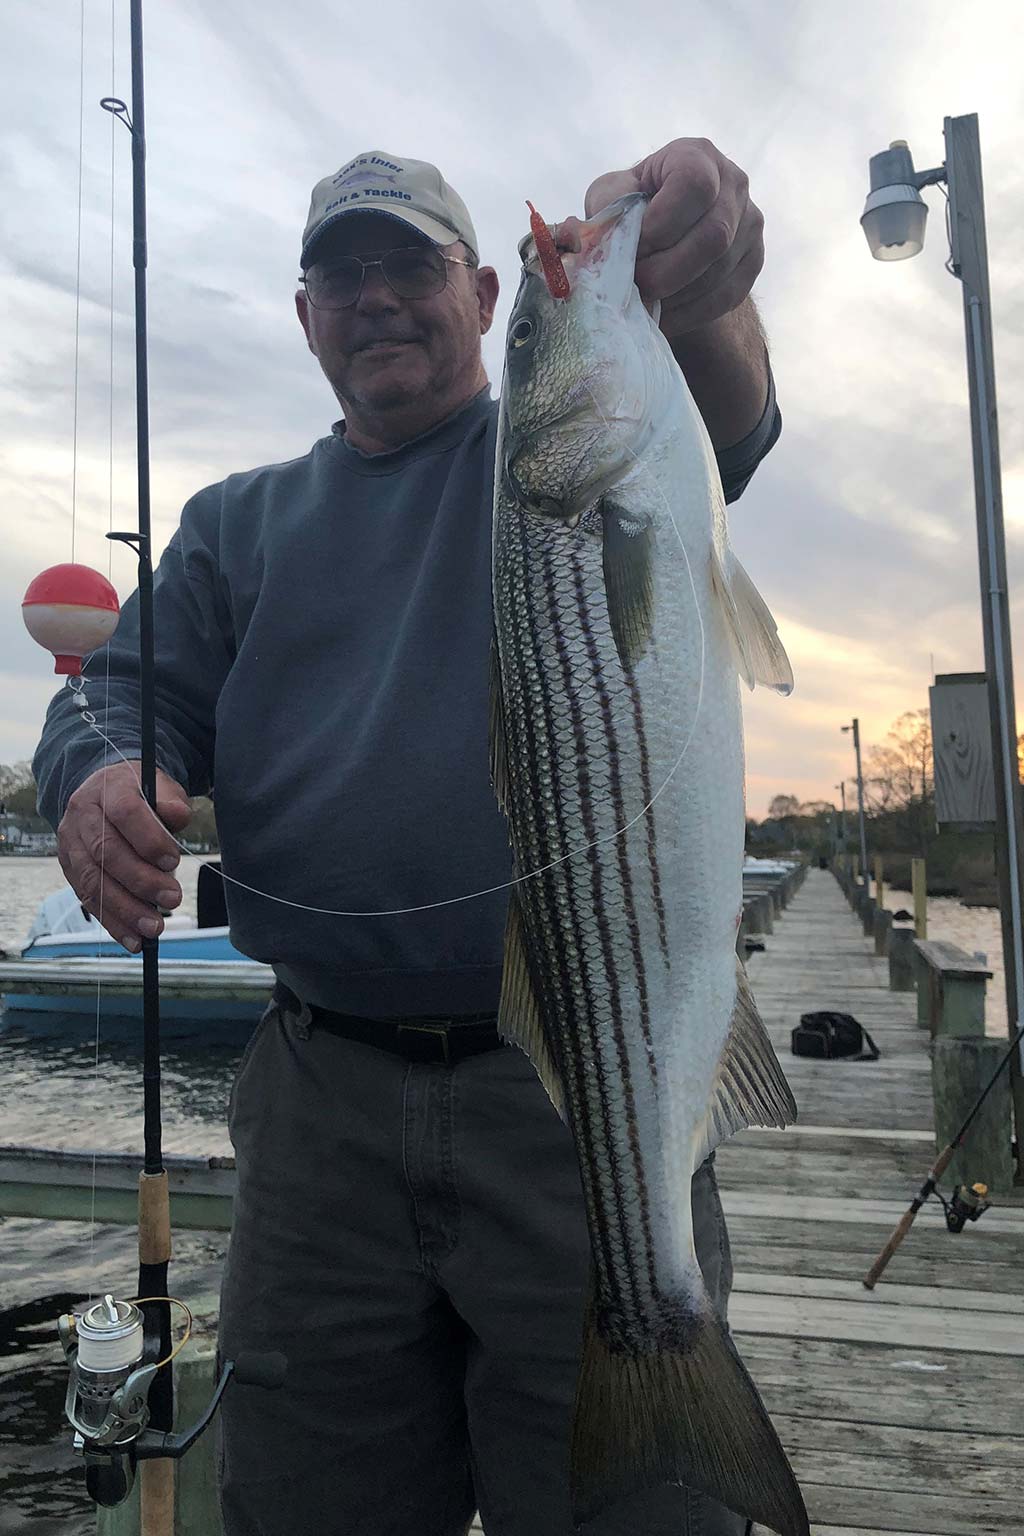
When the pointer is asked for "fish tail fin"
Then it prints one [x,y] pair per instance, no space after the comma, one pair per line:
[686,1413]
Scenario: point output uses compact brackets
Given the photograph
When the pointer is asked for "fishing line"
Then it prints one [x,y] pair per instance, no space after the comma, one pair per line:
[78,271]
[110,554]
[76,684]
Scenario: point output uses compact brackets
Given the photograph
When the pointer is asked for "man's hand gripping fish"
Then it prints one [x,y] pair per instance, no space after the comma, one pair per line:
[622,619]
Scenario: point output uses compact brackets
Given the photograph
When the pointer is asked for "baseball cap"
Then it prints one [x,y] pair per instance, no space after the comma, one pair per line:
[411,191]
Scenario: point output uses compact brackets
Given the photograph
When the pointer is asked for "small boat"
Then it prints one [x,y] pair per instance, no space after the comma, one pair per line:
[70,961]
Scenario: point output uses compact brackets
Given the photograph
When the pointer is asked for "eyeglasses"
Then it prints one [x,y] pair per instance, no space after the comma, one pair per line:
[413,272]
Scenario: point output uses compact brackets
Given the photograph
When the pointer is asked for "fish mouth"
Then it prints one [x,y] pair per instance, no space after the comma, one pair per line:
[594,234]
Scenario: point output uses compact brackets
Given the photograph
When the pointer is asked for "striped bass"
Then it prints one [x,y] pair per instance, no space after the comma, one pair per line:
[622,623]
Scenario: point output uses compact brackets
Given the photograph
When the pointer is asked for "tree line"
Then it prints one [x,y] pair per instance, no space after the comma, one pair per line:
[899,812]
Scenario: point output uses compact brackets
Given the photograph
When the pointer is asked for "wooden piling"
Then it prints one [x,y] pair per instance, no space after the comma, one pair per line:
[919,881]
[881,929]
[879,880]
[867,916]
[961,1068]
[902,958]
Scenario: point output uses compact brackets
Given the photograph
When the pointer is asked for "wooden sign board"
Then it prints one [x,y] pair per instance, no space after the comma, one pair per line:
[962,748]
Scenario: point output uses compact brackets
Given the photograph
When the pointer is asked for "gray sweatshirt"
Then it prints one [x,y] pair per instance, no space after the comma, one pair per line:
[322,641]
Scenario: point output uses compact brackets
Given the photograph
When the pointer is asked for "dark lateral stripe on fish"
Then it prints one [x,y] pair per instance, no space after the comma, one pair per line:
[640,726]
[544,887]
[620,812]
[622,1248]
[539,896]
[600,913]
[632,922]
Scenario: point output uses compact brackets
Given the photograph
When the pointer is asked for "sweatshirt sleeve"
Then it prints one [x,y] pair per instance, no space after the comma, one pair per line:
[736,465]
[194,649]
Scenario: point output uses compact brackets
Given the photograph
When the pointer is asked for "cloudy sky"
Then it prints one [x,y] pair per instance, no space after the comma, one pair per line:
[859,529]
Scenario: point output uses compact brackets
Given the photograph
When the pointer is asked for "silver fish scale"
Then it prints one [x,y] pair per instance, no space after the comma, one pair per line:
[576,738]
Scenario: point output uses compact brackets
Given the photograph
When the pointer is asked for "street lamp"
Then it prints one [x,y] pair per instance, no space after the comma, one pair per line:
[893,222]
[855,728]
[895,213]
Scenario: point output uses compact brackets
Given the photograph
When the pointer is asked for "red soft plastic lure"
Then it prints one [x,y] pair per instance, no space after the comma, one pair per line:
[551,262]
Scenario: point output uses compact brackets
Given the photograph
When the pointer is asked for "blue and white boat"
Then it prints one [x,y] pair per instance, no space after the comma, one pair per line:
[70,964]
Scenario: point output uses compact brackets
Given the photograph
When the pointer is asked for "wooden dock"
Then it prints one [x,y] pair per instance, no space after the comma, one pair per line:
[902,1409]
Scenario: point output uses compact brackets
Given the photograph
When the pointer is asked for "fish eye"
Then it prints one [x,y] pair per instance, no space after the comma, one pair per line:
[521,332]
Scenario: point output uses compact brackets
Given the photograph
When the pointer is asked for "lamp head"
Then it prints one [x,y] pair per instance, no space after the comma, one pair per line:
[895,213]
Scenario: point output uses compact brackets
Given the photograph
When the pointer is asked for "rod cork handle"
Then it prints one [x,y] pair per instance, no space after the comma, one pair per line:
[156,1498]
[154,1218]
[906,1221]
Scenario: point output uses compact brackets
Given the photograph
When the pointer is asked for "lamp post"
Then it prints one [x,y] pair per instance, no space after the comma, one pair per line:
[855,728]
[893,221]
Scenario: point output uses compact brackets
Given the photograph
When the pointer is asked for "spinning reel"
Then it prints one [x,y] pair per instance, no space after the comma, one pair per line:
[107,1400]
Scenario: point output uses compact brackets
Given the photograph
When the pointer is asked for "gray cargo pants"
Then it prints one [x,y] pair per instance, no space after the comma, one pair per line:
[412,1238]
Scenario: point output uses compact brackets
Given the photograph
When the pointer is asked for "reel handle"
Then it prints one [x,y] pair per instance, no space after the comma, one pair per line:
[250,1369]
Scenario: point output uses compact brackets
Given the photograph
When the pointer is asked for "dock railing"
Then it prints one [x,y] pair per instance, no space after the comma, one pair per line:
[950,986]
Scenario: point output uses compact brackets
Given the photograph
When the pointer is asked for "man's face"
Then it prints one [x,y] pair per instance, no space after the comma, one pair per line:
[385,352]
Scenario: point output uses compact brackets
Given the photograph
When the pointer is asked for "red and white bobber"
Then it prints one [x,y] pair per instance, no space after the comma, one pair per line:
[71,610]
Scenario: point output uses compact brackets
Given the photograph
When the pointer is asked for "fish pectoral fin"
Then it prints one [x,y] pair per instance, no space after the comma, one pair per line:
[760,656]
[684,1412]
[750,1087]
[499,760]
[628,560]
[519,1017]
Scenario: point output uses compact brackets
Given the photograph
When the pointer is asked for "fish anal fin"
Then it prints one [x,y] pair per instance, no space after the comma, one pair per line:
[628,561]
[750,1087]
[499,759]
[519,1016]
[685,1412]
[760,655]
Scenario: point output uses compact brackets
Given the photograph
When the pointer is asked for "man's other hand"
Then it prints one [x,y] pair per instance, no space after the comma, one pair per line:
[115,854]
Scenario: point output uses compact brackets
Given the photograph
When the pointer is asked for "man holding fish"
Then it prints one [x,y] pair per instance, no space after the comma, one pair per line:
[492,1277]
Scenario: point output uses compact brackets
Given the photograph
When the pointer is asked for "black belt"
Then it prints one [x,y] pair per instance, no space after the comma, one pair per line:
[445,1039]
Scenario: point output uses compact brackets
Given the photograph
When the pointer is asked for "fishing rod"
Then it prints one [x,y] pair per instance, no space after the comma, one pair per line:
[963,1207]
[120,1396]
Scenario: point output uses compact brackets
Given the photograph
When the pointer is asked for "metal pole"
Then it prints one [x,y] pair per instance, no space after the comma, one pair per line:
[860,810]
[970,264]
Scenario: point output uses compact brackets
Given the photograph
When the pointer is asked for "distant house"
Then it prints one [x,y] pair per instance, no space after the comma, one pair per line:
[24,835]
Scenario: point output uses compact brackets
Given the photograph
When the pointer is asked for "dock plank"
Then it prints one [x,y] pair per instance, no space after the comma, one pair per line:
[876,1395]
[872,1383]
[945,1298]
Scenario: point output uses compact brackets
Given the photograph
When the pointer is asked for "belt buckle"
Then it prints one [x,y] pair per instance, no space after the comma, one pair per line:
[441,1030]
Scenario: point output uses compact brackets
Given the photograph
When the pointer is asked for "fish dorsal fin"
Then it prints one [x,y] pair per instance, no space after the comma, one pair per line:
[519,1019]
[628,560]
[750,1087]
[499,760]
[760,657]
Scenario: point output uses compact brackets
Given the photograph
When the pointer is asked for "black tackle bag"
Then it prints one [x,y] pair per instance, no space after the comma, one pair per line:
[833,1035]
